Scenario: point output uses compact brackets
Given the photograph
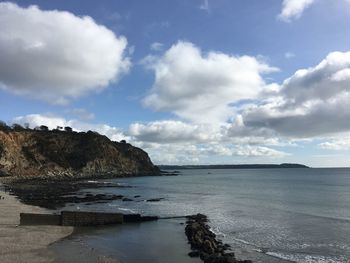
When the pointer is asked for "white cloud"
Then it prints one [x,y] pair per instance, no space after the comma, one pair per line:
[200,87]
[35,120]
[313,102]
[293,9]
[156,46]
[328,79]
[52,121]
[289,55]
[188,153]
[173,132]
[258,151]
[336,143]
[55,55]
[179,142]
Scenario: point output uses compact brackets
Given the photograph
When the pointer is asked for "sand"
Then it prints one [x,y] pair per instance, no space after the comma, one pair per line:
[25,243]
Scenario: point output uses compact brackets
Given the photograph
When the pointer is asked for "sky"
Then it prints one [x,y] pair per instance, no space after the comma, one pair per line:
[188,81]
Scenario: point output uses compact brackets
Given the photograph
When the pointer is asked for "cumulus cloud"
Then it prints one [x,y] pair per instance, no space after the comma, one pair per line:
[244,116]
[188,153]
[313,102]
[328,79]
[171,131]
[55,55]
[201,87]
[175,132]
[52,121]
[258,151]
[336,145]
[293,9]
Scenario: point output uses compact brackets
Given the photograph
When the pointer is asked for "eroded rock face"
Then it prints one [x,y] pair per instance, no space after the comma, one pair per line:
[60,155]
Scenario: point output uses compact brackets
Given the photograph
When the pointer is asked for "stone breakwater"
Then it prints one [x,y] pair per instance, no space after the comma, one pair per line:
[204,243]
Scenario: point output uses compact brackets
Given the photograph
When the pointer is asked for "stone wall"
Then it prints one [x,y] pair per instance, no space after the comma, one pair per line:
[90,218]
[68,218]
[40,219]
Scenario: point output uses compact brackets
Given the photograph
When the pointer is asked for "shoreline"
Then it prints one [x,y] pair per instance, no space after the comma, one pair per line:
[76,250]
[28,244]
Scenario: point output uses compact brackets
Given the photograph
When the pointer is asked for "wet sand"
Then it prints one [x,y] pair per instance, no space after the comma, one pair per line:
[27,244]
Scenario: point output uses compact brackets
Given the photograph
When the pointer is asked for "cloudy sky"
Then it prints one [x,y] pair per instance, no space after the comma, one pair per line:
[189,81]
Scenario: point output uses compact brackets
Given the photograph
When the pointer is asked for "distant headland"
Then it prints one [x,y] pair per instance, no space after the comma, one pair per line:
[233,166]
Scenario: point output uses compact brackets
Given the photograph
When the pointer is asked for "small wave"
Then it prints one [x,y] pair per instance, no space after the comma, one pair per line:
[281,256]
[301,258]
[246,243]
[127,210]
[217,232]
[122,209]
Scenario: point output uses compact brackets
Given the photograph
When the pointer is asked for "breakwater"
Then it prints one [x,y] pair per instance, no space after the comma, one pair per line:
[73,218]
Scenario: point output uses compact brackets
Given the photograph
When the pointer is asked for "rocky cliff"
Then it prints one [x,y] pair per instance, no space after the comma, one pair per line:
[58,154]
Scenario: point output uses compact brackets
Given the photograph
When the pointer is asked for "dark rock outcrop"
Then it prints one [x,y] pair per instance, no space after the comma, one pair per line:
[29,154]
[204,243]
[57,194]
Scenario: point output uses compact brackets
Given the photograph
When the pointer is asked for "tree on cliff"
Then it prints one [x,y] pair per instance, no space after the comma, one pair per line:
[4,126]
[17,127]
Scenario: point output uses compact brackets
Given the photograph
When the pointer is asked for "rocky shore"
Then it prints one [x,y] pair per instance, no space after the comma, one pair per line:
[204,243]
[57,194]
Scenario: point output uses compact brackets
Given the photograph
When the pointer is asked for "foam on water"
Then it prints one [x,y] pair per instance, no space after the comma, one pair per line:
[302,258]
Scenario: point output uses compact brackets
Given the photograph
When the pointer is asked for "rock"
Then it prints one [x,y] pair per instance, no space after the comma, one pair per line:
[209,247]
[203,241]
[194,254]
[132,218]
[54,195]
[125,199]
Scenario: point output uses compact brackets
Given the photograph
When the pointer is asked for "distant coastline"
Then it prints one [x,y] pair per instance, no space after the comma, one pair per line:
[233,166]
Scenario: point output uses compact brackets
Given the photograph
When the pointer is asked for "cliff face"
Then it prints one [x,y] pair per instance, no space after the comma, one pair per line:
[60,155]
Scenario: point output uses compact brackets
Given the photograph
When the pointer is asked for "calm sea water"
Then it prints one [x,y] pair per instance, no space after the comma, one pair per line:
[299,215]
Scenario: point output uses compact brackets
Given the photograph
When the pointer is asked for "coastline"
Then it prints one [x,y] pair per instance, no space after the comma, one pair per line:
[28,244]
[60,244]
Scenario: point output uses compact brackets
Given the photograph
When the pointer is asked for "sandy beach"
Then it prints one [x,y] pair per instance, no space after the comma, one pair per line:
[25,243]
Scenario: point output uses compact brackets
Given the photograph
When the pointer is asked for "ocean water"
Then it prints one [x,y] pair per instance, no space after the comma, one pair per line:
[267,215]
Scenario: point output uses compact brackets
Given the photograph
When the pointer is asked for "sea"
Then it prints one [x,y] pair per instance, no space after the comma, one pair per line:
[266,215]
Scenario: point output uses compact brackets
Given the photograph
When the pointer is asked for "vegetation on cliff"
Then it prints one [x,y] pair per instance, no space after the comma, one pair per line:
[63,154]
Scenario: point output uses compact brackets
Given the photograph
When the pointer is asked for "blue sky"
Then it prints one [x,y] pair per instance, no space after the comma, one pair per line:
[189,81]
